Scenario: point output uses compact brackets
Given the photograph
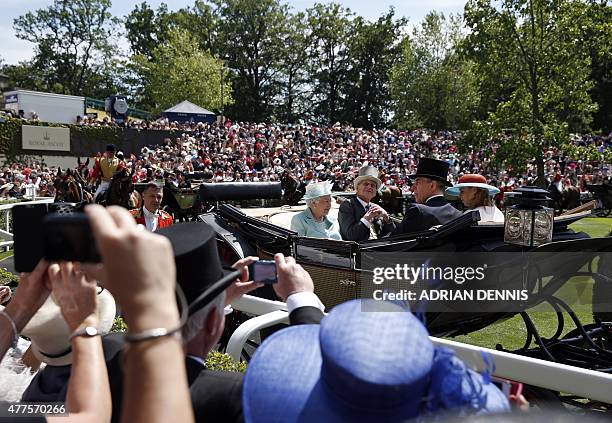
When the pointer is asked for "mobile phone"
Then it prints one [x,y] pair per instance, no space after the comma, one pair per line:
[27,230]
[69,238]
[264,271]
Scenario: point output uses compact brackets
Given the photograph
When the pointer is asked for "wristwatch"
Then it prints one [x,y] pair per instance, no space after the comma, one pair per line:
[88,331]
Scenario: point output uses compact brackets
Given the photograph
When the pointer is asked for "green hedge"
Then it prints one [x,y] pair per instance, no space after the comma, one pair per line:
[10,136]
[220,361]
[7,277]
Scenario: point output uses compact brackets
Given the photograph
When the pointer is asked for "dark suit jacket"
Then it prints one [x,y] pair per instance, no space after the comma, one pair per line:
[421,217]
[216,396]
[351,227]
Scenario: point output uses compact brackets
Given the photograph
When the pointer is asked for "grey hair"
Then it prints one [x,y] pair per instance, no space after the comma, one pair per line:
[196,322]
[311,202]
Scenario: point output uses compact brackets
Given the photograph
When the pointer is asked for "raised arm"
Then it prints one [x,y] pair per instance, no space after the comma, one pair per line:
[31,293]
[88,398]
[138,269]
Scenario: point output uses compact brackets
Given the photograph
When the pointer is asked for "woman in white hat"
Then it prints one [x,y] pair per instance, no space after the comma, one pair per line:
[476,194]
[313,221]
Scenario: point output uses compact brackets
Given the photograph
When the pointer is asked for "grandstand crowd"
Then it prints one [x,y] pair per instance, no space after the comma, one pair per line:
[263,152]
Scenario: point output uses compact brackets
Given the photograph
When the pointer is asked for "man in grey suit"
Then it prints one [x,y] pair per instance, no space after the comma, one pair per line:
[430,181]
[358,217]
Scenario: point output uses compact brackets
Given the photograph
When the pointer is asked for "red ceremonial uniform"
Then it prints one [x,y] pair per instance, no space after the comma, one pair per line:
[163,219]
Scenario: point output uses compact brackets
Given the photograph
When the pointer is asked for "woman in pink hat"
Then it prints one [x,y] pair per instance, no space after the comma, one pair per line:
[476,194]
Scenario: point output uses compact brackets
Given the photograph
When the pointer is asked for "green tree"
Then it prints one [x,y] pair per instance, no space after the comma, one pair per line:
[432,85]
[179,70]
[294,83]
[250,36]
[74,44]
[331,27]
[598,41]
[374,49]
[146,28]
[535,46]
[202,21]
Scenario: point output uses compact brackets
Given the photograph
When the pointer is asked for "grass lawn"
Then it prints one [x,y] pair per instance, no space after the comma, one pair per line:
[511,333]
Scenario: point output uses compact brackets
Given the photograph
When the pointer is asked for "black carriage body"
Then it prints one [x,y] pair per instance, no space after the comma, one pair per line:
[336,268]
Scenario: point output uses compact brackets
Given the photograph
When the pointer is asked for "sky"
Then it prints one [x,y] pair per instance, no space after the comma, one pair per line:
[13,50]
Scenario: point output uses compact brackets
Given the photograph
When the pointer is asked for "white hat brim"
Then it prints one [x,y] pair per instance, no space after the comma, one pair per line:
[49,332]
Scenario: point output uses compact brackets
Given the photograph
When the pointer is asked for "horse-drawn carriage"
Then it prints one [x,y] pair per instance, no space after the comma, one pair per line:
[341,270]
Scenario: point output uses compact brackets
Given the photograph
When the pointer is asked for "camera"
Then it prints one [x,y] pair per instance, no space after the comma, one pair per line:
[55,231]
[264,271]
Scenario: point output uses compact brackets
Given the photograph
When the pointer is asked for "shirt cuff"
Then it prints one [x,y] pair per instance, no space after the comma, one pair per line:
[304,299]
[365,222]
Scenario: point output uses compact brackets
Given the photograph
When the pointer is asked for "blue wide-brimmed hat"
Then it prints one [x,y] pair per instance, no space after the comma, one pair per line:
[368,361]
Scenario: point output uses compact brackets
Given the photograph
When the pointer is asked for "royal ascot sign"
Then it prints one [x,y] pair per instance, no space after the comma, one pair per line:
[45,138]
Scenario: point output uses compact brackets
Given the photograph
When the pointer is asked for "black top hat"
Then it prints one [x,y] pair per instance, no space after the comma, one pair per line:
[111,147]
[199,272]
[432,169]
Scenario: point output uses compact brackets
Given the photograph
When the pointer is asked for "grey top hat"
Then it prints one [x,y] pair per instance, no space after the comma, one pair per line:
[368,173]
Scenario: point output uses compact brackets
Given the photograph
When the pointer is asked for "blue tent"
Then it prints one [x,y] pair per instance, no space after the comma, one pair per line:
[186,111]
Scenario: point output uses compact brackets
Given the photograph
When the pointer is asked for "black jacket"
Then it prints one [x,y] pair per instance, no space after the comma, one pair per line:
[421,217]
[351,227]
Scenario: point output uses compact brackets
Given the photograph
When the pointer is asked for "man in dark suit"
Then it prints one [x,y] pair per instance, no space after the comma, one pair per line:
[430,180]
[358,217]
[217,395]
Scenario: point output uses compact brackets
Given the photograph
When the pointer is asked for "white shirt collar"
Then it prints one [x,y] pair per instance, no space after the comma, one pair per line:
[150,219]
[363,203]
[147,213]
[434,196]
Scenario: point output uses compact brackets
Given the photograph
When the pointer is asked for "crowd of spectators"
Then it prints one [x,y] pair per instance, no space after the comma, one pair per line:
[19,180]
[245,152]
[258,152]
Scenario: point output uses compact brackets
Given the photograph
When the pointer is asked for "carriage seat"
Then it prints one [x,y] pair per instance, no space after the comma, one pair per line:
[281,216]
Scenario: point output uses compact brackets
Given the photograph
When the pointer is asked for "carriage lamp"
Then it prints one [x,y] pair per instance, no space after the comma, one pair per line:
[529,222]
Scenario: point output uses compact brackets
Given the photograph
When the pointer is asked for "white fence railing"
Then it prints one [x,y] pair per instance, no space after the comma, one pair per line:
[544,374]
[6,209]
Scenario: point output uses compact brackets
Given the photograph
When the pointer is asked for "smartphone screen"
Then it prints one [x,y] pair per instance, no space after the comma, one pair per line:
[264,271]
[27,235]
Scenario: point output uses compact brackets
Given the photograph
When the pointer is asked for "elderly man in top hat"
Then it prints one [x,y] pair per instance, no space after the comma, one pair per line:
[359,218]
[430,181]
[104,169]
